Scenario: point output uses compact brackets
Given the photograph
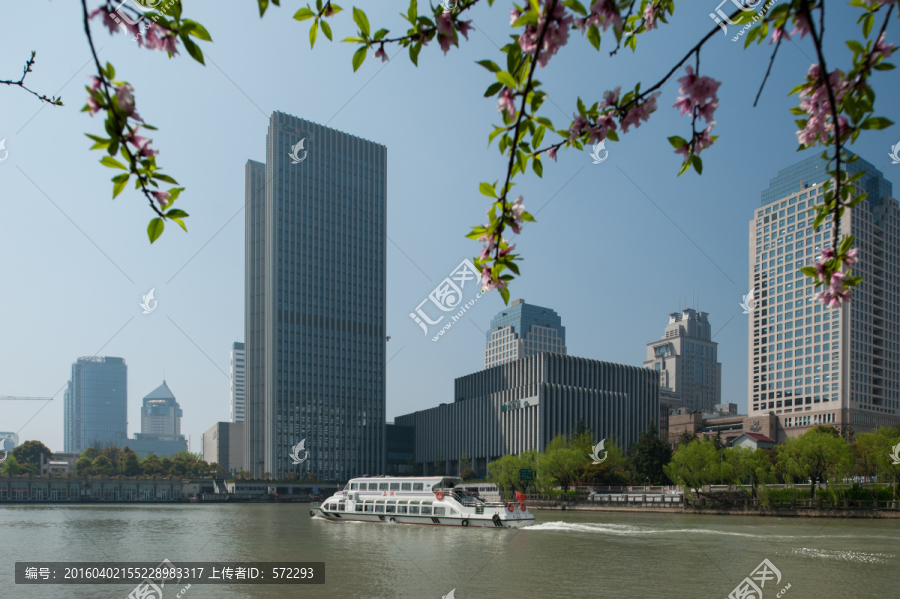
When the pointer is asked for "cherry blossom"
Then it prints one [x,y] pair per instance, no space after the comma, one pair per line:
[650,16]
[446,32]
[701,94]
[517,209]
[885,49]
[507,102]
[640,113]
[801,25]
[555,28]
[162,197]
[551,153]
[380,53]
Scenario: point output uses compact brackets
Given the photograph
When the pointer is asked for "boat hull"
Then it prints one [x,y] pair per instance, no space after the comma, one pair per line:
[461,521]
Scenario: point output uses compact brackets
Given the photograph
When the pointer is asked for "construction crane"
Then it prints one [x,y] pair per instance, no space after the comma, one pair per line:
[11,398]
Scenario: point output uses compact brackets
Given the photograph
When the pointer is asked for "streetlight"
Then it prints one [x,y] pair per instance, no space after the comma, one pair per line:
[648,482]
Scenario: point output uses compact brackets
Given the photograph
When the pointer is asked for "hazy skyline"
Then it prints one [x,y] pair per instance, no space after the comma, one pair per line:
[638,237]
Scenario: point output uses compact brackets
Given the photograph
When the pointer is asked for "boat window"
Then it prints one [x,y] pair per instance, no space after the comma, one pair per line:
[417,486]
[347,487]
[401,509]
[379,508]
[426,503]
[359,507]
[382,486]
[438,511]
[392,501]
[341,507]
[416,502]
[426,510]
[403,501]
[352,486]
[380,501]
[405,487]
[395,486]
[369,508]
[413,509]
[373,486]
[391,509]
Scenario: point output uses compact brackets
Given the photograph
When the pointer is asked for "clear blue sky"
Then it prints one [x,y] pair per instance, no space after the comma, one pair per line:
[602,254]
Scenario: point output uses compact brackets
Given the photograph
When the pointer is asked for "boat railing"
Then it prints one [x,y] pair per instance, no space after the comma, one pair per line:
[313,505]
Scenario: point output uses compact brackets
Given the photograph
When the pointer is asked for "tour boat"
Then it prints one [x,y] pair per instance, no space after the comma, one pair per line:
[434,500]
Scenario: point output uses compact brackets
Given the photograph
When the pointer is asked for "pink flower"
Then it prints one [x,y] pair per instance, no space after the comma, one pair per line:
[126,98]
[828,297]
[95,85]
[556,33]
[507,102]
[142,144]
[827,253]
[684,105]
[578,126]
[778,34]
[514,16]
[801,25]
[639,113]
[604,13]
[852,257]
[112,21]
[446,32]
[599,132]
[882,48]
[704,139]
[650,16]
[380,53]
[508,249]
[329,11]
[464,28]
[487,282]
[700,93]
[162,197]
[517,208]
[611,98]
[93,106]
[551,153]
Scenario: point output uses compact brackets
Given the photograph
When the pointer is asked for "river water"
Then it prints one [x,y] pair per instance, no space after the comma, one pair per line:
[567,554]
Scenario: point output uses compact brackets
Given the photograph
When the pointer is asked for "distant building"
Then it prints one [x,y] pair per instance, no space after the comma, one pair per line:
[524,404]
[161,414]
[727,428]
[725,408]
[96,404]
[523,330]
[237,382]
[59,463]
[686,360]
[224,445]
[401,449]
[754,441]
[8,441]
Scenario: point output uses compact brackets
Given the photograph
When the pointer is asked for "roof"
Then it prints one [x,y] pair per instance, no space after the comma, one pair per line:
[759,437]
[161,392]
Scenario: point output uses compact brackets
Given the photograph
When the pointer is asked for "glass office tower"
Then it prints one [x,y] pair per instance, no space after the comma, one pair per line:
[314,286]
[96,404]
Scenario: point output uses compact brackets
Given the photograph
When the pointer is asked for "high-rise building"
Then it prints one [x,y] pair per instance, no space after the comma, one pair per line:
[523,330]
[160,414]
[237,382]
[96,403]
[810,364]
[224,445]
[686,359]
[315,302]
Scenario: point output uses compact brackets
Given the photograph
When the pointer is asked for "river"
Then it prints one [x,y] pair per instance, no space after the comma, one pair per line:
[566,554]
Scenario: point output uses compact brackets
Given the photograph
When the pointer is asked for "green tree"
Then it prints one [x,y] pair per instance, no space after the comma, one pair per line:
[877,449]
[468,474]
[102,465]
[128,464]
[165,466]
[694,465]
[83,466]
[505,471]
[112,454]
[687,437]
[90,453]
[11,466]
[151,465]
[612,470]
[753,467]
[464,462]
[817,454]
[29,455]
[648,457]
[561,463]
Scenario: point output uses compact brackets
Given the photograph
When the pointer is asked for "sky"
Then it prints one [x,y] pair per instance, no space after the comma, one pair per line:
[615,247]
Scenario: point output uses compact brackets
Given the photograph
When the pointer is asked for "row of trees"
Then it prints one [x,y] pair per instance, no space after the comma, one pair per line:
[113,461]
[821,455]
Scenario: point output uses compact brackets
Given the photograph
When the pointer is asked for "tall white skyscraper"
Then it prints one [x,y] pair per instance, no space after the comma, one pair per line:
[237,382]
[809,364]
[523,330]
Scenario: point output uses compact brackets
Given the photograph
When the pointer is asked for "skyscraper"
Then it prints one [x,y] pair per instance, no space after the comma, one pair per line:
[314,285]
[811,364]
[523,330]
[686,359]
[160,414]
[96,403]
[237,382]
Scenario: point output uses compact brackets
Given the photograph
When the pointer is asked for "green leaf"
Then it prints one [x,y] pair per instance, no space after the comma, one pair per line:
[303,14]
[378,34]
[174,193]
[361,20]
[677,142]
[197,30]
[593,36]
[884,66]
[527,18]
[487,189]
[176,213]
[413,12]
[326,29]
[192,48]
[155,229]
[876,122]
[359,57]
[492,89]
[489,65]
[313,32]
[112,163]
[868,22]
[581,109]
[119,182]
[101,144]
[576,6]
[414,50]
[809,271]
[165,178]
[506,79]
[537,166]
[180,222]
[504,293]
[538,137]
[698,164]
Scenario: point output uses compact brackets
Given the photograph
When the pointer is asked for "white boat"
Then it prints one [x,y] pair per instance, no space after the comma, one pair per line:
[430,500]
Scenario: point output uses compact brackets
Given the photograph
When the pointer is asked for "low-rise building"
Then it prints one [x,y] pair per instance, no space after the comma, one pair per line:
[223,444]
[727,428]
[754,441]
[69,487]
[59,463]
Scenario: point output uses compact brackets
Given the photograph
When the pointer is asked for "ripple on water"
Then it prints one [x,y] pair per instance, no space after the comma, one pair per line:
[846,556]
[627,530]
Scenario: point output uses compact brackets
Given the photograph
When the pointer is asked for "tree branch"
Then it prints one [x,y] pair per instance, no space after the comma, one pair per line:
[55,100]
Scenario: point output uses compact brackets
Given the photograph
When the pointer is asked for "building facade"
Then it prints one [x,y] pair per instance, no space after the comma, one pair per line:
[810,364]
[523,405]
[224,445]
[523,330]
[686,361]
[160,414]
[315,302]
[400,442]
[237,382]
[96,404]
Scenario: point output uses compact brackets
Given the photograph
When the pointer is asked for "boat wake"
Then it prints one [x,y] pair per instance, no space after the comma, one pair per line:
[627,530]
[846,556]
